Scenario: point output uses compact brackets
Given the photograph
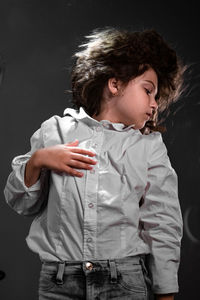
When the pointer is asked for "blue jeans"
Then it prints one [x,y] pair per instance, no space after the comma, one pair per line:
[103,279]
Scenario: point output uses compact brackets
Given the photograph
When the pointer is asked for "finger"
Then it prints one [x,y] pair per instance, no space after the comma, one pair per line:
[83,158]
[80,165]
[74,143]
[73,172]
[83,151]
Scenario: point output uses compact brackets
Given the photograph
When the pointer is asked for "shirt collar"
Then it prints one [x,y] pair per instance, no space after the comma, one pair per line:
[84,117]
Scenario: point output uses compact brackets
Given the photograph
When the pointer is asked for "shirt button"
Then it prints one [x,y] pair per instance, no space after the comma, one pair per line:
[90,205]
[89,240]
[94,146]
[98,129]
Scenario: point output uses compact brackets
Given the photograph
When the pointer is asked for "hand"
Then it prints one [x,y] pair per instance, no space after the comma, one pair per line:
[65,158]
[60,158]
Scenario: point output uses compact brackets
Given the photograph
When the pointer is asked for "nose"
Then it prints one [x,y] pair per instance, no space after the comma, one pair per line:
[154,104]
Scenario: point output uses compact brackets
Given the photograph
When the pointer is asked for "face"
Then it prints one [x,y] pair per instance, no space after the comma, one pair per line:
[135,103]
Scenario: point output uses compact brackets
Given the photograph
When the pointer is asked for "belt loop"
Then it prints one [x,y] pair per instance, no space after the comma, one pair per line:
[113,271]
[145,272]
[143,265]
[60,273]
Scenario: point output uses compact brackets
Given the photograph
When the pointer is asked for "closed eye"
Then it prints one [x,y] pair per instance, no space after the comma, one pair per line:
[147,91]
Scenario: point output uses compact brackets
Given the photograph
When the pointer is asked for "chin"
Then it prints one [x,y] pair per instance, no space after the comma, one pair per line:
[139,126]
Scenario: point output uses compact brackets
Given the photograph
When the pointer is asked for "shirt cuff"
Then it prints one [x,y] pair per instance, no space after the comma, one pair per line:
[20,172]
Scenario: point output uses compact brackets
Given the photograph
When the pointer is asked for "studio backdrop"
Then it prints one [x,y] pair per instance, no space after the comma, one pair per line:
[37,41]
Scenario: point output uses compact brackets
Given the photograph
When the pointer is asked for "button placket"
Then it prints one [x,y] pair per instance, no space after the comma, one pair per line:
[91,190]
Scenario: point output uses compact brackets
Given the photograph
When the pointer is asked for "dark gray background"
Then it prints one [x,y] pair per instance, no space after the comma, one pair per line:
[37,40]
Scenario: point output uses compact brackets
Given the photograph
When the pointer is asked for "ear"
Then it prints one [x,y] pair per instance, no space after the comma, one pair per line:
[114,85]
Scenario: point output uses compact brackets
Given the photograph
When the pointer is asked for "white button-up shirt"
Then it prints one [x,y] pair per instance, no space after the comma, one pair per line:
[127,205]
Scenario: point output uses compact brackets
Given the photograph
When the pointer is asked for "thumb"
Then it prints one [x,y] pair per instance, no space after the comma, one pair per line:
[74,143]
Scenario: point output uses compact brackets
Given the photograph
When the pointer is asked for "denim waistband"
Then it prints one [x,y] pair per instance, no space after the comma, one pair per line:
[93,265]
[104,262]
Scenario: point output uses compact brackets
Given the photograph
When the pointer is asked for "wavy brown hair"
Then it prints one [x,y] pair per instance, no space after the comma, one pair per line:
[125,55]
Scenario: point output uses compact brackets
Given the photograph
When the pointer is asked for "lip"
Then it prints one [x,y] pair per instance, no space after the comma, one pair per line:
[148,115]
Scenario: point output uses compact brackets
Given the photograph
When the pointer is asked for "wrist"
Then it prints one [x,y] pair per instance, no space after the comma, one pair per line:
[33,169]
[36,160]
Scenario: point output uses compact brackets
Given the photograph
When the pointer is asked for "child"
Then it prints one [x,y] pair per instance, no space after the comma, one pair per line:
[108,222]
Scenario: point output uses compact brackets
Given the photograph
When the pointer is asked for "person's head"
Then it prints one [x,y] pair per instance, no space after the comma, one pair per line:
[120,57]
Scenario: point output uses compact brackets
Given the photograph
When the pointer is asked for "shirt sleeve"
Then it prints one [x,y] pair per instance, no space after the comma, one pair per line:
[26,200]
[161,219]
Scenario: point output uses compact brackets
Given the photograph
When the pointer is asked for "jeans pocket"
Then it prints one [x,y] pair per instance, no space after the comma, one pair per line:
[47,281]
[133,280]
[146,274]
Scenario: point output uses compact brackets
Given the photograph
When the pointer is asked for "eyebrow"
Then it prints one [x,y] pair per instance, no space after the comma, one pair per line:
[150,82]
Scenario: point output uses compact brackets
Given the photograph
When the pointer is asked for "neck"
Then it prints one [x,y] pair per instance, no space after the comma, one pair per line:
[106,114]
